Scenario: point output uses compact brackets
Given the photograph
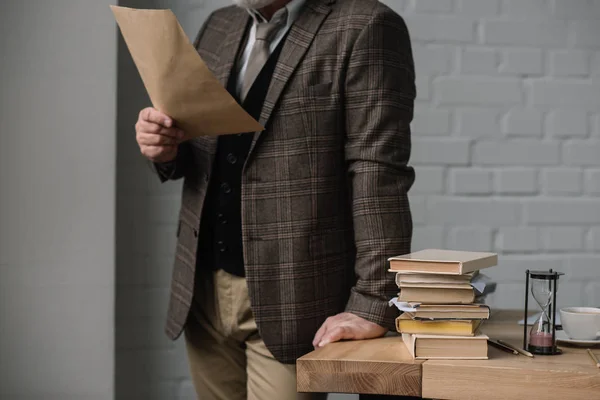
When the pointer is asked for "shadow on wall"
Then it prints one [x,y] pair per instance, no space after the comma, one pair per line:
[147,364]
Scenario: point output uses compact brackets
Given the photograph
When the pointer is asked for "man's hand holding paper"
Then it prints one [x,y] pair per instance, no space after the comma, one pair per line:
[177,80]
[157,136]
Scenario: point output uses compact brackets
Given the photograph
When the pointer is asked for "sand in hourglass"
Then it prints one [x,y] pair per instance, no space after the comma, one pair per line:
[541,342]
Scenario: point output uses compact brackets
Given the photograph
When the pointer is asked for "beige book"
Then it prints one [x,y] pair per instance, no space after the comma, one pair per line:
[431,295]
[446,347]
[402,277]
[440,261]
[448,312]
[466,286]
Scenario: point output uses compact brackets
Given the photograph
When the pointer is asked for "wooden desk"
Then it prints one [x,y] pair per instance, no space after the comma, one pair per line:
[571,375]
[378,366]
[383,366]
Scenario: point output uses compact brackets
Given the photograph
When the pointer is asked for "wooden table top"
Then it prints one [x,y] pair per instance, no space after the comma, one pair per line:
[384,366]
[378,366]
[571,375]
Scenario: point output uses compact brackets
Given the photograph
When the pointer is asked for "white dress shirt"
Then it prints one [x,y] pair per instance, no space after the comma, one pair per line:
[293,9]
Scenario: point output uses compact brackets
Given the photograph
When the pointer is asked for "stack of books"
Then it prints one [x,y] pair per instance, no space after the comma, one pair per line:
[440,296]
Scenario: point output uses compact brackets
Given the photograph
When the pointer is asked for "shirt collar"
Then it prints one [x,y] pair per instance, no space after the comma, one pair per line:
[293,8]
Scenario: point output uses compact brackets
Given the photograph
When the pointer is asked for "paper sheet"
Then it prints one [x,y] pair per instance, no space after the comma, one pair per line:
[401,305]
[479,283]
[177,80]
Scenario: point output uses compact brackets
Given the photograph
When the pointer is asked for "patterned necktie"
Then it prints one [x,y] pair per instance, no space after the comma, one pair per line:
[265,33]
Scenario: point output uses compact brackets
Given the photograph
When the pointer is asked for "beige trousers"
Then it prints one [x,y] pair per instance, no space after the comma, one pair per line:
[228,360]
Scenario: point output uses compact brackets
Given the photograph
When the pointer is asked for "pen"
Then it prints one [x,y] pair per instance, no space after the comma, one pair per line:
[502,347]
[524,352]
[593,358]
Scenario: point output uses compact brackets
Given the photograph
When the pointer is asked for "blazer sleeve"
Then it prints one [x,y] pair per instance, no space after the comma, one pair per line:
[379,98]
[177,168]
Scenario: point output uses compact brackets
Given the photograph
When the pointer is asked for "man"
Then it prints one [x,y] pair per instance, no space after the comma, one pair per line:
[284,234]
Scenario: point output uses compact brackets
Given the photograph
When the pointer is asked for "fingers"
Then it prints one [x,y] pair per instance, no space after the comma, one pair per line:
[346,326]
[321,332]
[336,334]
[333,329]
[156,135]
[157,129]
[152,139]
[156,122]
[154,116]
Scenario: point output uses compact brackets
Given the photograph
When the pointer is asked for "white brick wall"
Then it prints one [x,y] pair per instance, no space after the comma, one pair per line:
[519,61]
[506,149]
[569,63]
[525,97]
[568,123]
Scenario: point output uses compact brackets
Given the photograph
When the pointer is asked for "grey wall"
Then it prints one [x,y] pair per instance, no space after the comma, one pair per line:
[148,365]
[57,189]
[506,148]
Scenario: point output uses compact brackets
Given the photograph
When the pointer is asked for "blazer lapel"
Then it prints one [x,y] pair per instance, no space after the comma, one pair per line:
[235,25]
[299,38]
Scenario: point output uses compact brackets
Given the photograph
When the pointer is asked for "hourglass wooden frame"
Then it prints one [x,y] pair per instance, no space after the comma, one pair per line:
[550,276]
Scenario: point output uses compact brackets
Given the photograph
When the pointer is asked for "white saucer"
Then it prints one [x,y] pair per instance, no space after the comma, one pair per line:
[561,336]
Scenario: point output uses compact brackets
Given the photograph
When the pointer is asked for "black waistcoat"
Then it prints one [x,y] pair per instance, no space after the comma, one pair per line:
[220,240]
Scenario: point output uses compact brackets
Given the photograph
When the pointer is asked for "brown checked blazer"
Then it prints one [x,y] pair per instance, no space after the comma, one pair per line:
[324,189]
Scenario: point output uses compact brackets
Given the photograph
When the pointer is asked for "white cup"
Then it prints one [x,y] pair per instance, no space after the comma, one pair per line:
[581,323]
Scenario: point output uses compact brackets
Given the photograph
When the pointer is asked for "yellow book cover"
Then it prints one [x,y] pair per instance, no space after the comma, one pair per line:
[405,324]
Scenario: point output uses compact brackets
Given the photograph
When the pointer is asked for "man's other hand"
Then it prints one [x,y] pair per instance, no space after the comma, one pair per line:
[157,137]
[346,326]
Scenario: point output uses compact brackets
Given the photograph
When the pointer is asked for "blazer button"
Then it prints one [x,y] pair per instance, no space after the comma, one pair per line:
[221,246]
[226,188]
[195,232]
[231,158]
[205,176]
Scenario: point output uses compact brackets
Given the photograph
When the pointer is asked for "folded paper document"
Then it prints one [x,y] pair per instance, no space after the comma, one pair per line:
[177,80]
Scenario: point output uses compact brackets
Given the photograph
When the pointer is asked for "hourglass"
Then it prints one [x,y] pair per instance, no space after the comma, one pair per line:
[542,335]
